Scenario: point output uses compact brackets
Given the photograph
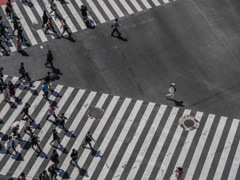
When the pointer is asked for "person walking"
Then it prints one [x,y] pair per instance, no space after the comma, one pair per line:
[74,156]
[45,90]
[15,131]
[3,31]
[27,80]
[65,28]
[53,8]
[22,71]
[18,44]
[52,171]
[55,158]
[55,136]
[34,142]
[27,126]
[44,176]
[171,90]
[44,18]
[25,110]
[115,27]
[179,173]
[11,89]
[48,80]
[51,112]
[22,176]
[20,34]
[62,119]
[49,59]
[9,9]
[10,144]
[6,94]
[1,75]
[88,139]
[15,25]
[50,26]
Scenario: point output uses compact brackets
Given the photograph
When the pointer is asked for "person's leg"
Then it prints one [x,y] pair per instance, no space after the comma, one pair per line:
[38,147]
[113,31]
[54,115]
[58,141]
[76,163]
[48,116]
[63,32]
[52,141]
[29,116]
[14,149]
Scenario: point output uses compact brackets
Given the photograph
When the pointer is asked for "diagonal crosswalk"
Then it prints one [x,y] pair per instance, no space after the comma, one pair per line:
[133,139]
[30,16]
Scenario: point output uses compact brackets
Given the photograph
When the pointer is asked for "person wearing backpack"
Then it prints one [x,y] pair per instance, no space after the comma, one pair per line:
[52,171]
[45,90]
[22,72]
[34,142]
[74,156]
[44,176]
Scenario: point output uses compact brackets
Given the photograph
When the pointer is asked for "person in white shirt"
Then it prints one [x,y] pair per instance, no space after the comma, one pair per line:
[115,27]
[10,144]
[171,90]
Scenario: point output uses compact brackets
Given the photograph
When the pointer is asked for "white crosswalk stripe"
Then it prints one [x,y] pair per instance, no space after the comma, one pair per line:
[102,10]
[124,136]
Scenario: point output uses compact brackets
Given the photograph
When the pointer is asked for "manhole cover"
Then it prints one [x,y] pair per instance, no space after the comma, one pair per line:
[96,113]
[188,123]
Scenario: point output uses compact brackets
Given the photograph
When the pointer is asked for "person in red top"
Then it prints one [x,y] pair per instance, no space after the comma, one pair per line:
[51,112]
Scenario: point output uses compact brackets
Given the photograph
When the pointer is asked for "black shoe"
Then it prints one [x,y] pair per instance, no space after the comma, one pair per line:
[83,146]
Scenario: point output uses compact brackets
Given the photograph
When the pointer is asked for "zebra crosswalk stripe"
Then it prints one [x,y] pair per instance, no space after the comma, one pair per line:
[116,8]
[106,10]
[235,164]
[96,11]
[136,5]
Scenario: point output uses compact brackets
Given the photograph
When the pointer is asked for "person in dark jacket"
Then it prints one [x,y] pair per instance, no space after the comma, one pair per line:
[44,176]
[22,72]
[49,59]
[15,25]
[52,171]
[20,34]
[88,139]
[55,136]
[25,112]
[34,142]
[54,158]
[74,156]
[44,18]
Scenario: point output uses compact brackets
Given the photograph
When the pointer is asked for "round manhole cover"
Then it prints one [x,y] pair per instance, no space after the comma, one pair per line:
[96,113]
[188,123]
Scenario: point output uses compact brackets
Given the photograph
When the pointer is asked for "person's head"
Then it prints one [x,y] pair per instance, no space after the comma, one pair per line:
[17,126]
[88,132]
[27,105]
[48,73]
[62,114]
[45,83]
[9,82]
[44,11]
[22,64]
[10,137]
[1,68]
[54,151]
[44,172]
[54,130]
[74,150]
[0,17]
[22,174]
[116,19]
[49,51]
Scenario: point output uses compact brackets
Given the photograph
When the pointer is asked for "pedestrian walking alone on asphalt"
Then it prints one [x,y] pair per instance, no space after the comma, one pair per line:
[62,119]
[10,144]
[51,112]
[44,18]
[55,158]
[44,176]
[74,156]
[22,72]
[171,90]
[55,136]
[27,126]
[65,28]
[34,142]
[25,110]
[6,94]
[88,139]
[179,173]
[115,27]
[53,172]
[49,59]
[45,90]
[22,176]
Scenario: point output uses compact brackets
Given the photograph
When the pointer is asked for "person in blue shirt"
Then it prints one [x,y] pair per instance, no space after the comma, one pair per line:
[45,90]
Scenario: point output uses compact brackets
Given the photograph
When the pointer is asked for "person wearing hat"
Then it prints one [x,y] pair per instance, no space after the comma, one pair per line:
[115,27]
[44,176]
[171,90]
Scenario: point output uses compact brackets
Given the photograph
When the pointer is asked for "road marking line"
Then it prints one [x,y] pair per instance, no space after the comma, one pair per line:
[95,10]
[126,6]
[136,5]
[116,8]
[106,10]
[146,4]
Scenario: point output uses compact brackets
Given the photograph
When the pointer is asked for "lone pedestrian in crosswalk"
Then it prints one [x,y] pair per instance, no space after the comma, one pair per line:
[22,72]
[44,18]
[52,171]
[115,27]
[34,142]
[88,139]
[51,112]
[55,136]
[62,119]
[171,89]
[10,144]
[74,156]
[25,110]
[45,90]
[55,158]
[65,28]
[49,59]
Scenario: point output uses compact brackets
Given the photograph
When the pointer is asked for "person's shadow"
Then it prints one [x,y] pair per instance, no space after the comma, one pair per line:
[179,103]
[120,37]
[23,53]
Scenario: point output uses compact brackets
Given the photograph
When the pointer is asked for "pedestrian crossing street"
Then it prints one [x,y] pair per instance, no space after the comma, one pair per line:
[30,15]
[133,139]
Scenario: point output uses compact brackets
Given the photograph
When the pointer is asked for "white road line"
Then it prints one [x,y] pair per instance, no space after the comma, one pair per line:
[76,121]
[126,6]
[106,10]
[38,119]
[33,20]
[79,3]
[226,149]
[96,134]
[76,15]
[118,143]
[24,24]
[235,164]
[77,143]
[166,1]
[96,11]
[199,148]
[136,5]
[160,143]
[65,16]
[43,132]
[40,13]
[146,4]
[116,8]
[147,140]
[133,142]
[213,148]
[186,146]
[10,162]
[156,2]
